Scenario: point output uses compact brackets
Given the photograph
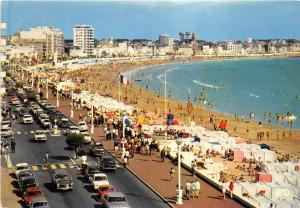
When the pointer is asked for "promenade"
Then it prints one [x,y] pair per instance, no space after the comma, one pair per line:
[156,173]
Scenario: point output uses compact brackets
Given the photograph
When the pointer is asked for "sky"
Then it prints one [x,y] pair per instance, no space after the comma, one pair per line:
[212,21]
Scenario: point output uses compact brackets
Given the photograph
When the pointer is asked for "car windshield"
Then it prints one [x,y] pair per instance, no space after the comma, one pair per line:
[29,182]
[100,178]
[39,133]
[62,177]
[117,199]
[27,116]
[109,160]
[33,193]
[107,188]
[73,128]
[40,204]
[94,170]
[22,167]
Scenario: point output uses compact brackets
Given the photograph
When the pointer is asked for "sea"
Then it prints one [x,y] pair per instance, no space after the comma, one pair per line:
[262,86]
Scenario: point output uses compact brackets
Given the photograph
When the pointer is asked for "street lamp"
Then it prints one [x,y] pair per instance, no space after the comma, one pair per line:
[39,89]
[72,110]
[179,190]
[47,93]
[123,143]
[57,100]
[92,120]
[32,79]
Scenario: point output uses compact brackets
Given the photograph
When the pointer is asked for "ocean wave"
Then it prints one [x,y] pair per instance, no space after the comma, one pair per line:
[205,84]
[171,69]
[254,95]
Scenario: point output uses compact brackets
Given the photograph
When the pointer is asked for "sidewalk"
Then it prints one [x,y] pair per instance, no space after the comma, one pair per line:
[156,173]
[8,198]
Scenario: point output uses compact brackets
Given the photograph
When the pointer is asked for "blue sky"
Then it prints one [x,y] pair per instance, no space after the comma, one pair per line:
[215,20]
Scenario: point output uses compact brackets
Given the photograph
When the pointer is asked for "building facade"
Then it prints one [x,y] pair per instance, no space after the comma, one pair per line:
[83,37]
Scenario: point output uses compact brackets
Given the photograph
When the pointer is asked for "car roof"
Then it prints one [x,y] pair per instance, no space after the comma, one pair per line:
[73,127]
[27,178]
[22,164]
[115,194]
[100,174]
[42,199]
[61,171]
[35,188]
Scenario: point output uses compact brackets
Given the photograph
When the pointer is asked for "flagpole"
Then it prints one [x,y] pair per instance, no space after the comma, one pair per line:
[189,100]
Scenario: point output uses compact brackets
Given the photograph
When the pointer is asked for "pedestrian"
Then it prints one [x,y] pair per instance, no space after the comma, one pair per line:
[231,187]
[193,189]
[198,187]
[162,155]
[13,145]
[193,165]
[223,187]
[125,160]
[188,189]
[47,157]
[171,171]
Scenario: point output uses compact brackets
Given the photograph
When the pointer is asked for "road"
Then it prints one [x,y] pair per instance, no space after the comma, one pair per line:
[138,194]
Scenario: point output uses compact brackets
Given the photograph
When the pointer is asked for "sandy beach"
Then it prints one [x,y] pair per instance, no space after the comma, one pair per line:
[103,79]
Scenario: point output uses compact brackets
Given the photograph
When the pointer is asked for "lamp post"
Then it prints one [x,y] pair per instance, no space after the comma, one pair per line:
[123,143]
[92,120]
[32,79]
[39,89]
[72,106]
[57,100]
[179,190]
[47,93]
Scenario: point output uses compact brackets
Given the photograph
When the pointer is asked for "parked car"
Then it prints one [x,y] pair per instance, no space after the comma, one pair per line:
[25,183]
[6,123]
[16,101]
[46,122]
[39,203]
[73,130]
[114,200]
[40,135]
[86,136]
[31,194]
[62,180]
[19,107]
[23,174]
[107,163]
[97,148]
[98,180]
[6,131]
[64,123]
[83,126]
[21,167]
[27,119]
[91,170]
[105,189]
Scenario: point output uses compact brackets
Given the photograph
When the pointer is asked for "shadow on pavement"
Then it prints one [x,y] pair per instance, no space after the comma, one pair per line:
[216,197]
[12,175]
[59,157]
[89,188]
[22,203]
[15,184]
[50,187]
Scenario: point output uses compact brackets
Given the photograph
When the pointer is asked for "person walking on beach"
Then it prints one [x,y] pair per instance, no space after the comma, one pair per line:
[188,189]
[125,162]
[198,187]
[193,189]
[162,155]
[171,171]
[223,187]
[231,187]
[13,145]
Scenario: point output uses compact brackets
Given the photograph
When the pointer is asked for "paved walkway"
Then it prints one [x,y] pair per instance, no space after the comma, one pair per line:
[156,173]
[8,197]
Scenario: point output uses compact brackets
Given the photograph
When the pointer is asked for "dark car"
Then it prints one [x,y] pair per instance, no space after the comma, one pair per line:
[91,170]
[23,174]
[97,149]
[62,180]
[26,182]
[64,123]
[107,163]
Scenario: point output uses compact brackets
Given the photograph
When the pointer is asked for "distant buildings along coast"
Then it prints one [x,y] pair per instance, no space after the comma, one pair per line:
[48,44]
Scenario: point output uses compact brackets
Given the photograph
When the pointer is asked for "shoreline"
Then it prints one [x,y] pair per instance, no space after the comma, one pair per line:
[151,106]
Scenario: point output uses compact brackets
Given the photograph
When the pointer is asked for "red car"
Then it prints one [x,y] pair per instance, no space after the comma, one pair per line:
[32,193]
[105,189]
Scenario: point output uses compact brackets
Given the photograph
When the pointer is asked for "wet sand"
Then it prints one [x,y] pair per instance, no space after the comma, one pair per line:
[103,79]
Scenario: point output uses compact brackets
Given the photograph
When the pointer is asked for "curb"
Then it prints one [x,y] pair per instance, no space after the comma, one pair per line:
[144,182]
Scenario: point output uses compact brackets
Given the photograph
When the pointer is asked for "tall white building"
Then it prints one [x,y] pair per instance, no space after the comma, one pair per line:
[48,42]
[83,37]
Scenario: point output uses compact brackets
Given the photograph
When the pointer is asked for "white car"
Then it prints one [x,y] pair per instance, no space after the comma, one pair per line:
[86,136]
[21,167]
[99,179]
[83,126]
[73,130]
[6,131]
[46,122]
[40,135]
[27,119]
[15,102]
